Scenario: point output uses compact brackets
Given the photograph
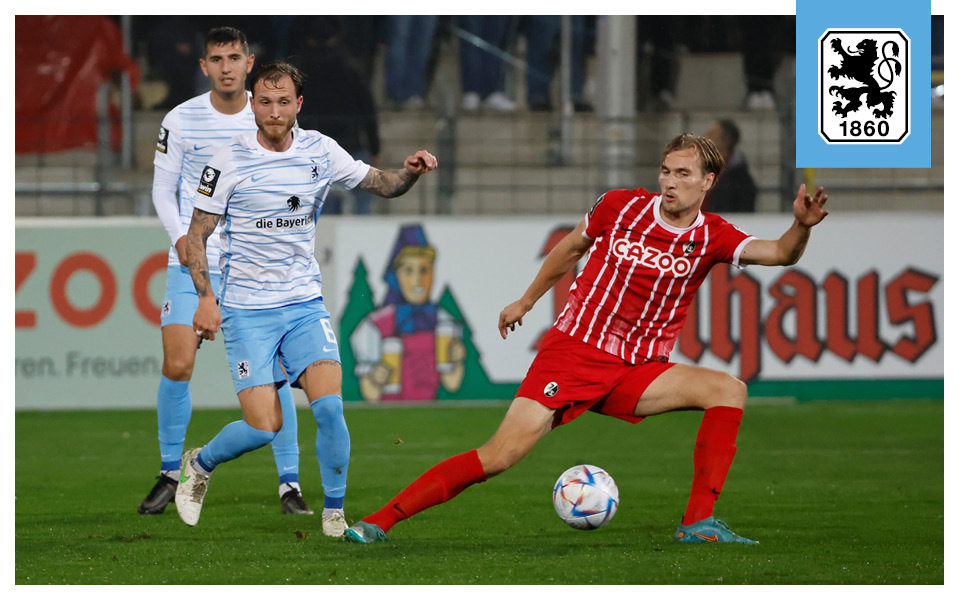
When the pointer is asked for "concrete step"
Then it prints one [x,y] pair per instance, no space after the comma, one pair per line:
[532,138]
[36,174]
[503,165]
[68,158]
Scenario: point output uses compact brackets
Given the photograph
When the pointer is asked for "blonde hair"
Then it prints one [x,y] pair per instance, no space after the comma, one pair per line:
[711,161]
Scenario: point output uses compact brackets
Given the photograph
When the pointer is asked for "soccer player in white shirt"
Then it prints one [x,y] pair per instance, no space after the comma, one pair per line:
[268,188]
[191,133]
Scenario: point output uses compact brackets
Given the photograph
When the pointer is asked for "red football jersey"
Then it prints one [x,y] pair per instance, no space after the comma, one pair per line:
[641,274]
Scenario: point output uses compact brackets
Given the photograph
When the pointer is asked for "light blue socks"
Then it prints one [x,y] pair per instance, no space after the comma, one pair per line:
[286,452]
[173,416]
[333,448]
[232,441]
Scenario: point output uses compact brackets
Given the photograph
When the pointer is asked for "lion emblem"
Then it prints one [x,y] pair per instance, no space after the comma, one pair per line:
[859,66]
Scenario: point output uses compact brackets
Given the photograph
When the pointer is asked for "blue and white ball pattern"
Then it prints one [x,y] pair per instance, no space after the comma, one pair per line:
[586,497]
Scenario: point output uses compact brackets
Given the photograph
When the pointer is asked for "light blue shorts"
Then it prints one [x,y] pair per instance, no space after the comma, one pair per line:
[257,340]
[181,300]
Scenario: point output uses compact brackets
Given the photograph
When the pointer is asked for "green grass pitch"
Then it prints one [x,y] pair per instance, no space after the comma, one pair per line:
[836,492]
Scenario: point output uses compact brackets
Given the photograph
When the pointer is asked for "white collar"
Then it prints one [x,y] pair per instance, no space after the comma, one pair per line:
[676,230]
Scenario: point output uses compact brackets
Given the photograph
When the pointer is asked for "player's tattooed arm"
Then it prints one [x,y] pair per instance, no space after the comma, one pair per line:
[388,184]
[201,226]
[396,182]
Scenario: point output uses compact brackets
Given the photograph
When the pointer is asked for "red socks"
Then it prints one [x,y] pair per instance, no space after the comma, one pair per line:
[441,483]
[712,456]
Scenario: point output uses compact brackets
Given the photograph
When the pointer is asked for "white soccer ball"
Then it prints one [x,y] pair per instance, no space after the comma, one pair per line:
[586,497]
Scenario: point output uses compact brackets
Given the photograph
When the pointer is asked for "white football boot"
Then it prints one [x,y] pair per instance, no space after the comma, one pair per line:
[334,523]
[192,489]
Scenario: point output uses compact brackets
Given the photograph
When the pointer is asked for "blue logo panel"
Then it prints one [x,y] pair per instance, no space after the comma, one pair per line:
[863,84]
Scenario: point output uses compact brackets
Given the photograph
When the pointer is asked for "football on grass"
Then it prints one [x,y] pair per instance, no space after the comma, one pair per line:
[586,497]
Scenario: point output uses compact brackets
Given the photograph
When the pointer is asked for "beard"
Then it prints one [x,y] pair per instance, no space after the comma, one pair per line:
[275,131]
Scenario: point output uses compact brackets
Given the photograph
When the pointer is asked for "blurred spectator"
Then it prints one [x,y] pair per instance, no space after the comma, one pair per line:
[361,36]
[481,69]
[764,40]
[173,45]
[337,102]
[658,41]
[713,33]
[734,190]
[543,57]
[442,45]
[408,51]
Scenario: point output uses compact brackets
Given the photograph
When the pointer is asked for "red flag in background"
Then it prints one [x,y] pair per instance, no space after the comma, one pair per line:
[61,61]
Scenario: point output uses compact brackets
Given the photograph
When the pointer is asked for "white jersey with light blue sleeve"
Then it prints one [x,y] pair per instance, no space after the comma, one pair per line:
[270,202]
[190,135]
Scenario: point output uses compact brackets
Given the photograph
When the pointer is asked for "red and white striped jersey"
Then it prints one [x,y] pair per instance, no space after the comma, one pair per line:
[641,274]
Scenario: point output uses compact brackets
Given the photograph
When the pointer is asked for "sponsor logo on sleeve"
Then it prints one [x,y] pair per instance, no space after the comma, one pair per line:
[162,139]
[208,181]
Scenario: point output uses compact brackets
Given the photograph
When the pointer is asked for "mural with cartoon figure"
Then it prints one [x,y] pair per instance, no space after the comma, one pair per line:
[409,346]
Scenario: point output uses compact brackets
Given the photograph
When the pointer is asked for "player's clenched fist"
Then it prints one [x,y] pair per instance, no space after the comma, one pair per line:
[207,319]
[420,163]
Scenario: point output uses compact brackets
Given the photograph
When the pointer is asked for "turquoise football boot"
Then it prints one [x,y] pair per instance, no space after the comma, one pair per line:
[364,533]
[709,530]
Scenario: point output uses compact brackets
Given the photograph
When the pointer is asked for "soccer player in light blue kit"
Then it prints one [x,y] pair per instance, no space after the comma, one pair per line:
[268,188]
[190,134]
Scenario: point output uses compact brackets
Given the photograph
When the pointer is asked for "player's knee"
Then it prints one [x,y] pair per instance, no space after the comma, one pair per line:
[732,391]
[177,368]
[327,409]
[268,423]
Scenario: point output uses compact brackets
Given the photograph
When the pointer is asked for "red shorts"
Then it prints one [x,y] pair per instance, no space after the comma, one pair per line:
[573,377]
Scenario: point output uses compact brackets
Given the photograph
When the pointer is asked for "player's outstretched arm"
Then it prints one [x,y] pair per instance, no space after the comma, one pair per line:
[206,321]
[396,182]
[560,261]
[787,250]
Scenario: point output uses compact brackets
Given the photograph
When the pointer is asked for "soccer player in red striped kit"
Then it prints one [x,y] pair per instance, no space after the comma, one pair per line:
[609,350]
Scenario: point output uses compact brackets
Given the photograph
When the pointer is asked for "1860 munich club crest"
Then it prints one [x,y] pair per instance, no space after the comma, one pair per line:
[864,86]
